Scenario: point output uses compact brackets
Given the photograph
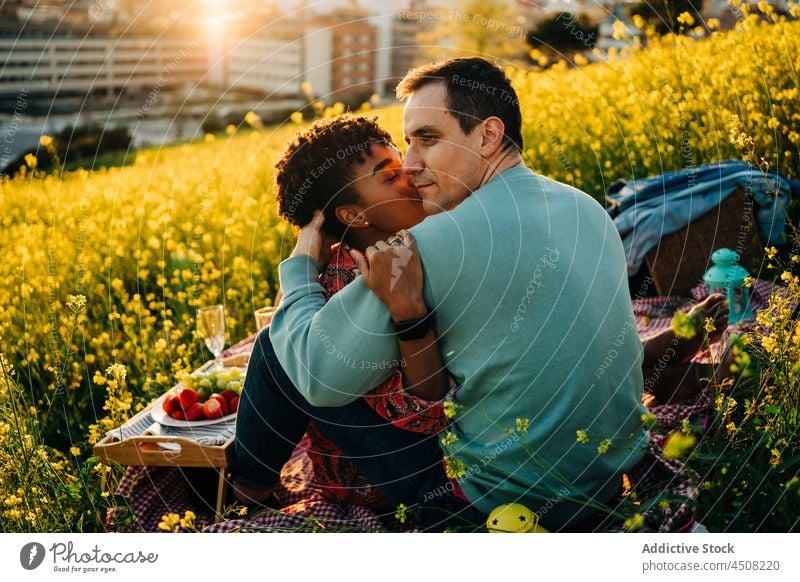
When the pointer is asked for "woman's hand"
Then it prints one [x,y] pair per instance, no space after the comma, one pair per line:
[394,273]
[313,241]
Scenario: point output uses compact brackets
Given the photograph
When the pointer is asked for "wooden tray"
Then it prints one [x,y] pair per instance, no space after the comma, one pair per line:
[145,450]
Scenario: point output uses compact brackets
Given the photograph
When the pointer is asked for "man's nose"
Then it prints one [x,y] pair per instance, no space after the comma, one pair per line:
[412,163]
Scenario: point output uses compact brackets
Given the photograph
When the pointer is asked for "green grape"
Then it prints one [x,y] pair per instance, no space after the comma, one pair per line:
[203,393]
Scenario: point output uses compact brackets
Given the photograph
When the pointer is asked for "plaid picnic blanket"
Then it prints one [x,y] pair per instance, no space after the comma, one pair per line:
[151,492]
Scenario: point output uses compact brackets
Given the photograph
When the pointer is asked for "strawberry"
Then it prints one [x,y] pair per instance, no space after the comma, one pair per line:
[213,408]
[195,412]
[188,397]
[222,402]
[178,414]
[228,395]
[171,403]
[233,405]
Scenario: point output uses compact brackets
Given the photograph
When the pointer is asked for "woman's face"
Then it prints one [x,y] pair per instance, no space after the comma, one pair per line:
[388,199]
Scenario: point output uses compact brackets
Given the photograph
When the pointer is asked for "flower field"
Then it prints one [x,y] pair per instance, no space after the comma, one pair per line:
[103,269]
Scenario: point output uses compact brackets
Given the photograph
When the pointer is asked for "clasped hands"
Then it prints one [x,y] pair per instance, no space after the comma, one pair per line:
[392,270]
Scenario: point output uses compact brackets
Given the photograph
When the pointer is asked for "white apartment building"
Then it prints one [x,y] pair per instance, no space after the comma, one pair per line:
[75,65]
[265,64]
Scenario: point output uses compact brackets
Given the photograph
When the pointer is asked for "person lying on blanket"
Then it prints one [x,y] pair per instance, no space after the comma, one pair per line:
[670,376]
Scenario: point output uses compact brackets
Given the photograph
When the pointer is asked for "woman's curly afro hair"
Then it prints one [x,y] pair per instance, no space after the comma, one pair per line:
[316,170]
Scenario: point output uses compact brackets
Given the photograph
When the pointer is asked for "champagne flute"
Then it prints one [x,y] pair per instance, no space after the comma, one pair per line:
[211,326]
[264,317]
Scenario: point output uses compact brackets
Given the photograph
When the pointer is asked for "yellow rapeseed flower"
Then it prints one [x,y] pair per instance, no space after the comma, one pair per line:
[449,439]
[619,30]
[449,408]
[117,371]
[677,445]
[253,120]
[648,420]
[76,303]
[683,325]
[400,515]
[187,521]
[635,523]
[454,469]
[770,344]
[170,522]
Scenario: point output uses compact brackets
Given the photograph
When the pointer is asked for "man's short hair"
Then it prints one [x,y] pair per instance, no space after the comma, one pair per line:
[476,89]
[316,169]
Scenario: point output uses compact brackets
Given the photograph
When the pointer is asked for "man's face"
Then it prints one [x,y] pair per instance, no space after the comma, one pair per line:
[445,162]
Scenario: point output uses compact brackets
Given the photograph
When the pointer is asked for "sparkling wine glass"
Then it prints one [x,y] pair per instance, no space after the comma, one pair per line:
[211,326]
[264,317]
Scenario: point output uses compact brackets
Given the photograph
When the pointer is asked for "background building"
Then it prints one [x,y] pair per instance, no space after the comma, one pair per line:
[340,60]
[269,63]
[68,66]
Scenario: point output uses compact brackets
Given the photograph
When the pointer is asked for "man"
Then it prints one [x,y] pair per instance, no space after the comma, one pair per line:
[525,279]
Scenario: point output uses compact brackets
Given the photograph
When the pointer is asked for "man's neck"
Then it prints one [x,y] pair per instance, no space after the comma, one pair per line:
[504,161]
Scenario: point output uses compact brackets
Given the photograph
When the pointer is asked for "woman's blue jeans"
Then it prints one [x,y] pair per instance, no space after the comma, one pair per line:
[406,466]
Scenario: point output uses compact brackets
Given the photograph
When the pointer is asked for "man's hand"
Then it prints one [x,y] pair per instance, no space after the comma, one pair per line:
[394,273]
[312,241]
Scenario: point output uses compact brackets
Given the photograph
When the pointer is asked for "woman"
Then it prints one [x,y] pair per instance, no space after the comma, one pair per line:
[345,176]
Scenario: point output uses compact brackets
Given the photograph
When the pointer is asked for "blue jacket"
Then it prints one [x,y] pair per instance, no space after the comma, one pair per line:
[646,210]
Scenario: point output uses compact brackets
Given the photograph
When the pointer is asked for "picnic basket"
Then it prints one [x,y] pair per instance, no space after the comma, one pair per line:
[679,260]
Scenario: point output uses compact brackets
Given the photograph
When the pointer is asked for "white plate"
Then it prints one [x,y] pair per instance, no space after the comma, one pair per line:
[161,417]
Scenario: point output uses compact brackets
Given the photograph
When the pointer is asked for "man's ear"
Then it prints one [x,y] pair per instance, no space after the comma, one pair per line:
[492,131]
[351,216]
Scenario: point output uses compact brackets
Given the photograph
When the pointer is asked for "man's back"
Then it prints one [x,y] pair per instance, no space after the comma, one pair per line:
[527,280]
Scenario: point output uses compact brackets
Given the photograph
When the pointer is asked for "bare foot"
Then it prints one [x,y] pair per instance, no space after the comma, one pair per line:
[714,306]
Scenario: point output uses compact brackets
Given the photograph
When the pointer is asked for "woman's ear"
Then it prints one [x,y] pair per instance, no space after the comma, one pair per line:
[351,216]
